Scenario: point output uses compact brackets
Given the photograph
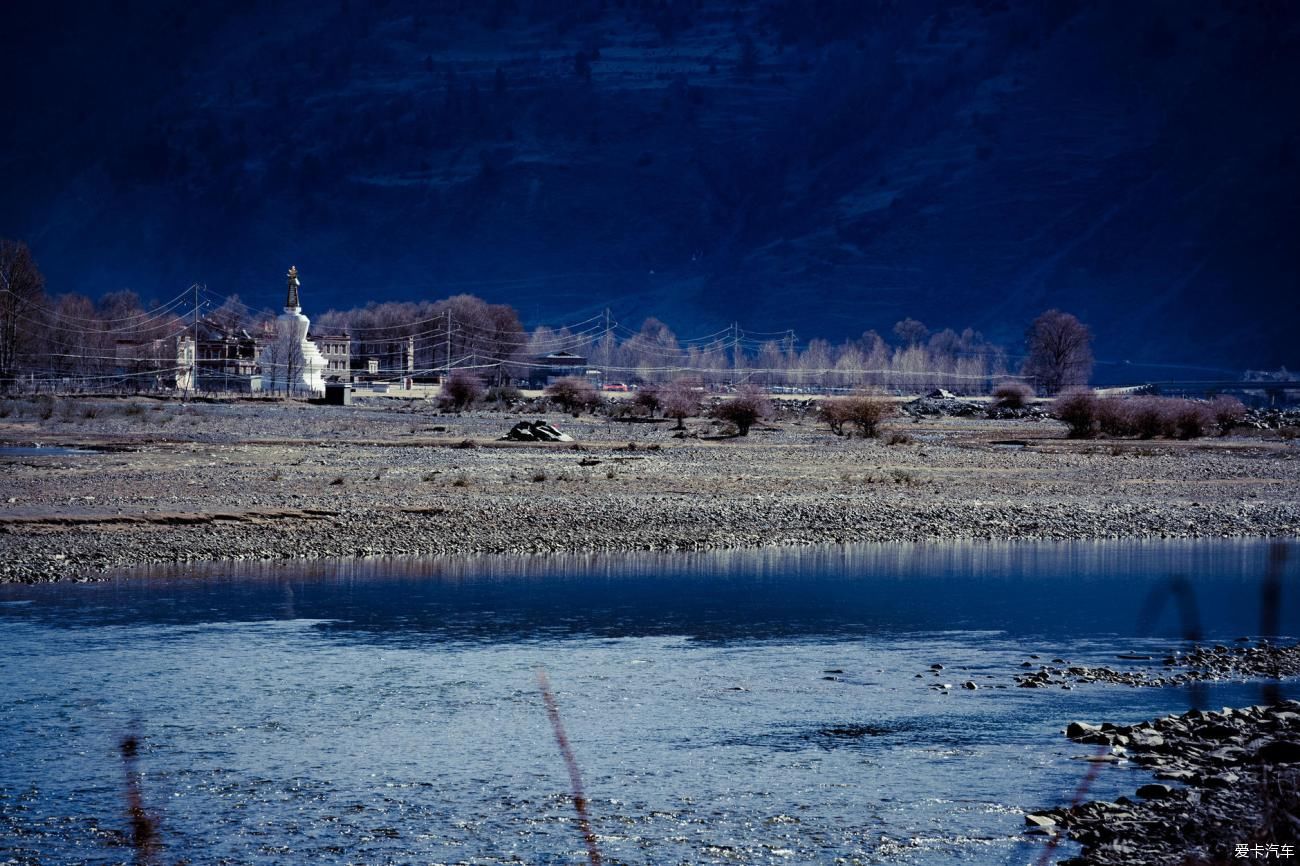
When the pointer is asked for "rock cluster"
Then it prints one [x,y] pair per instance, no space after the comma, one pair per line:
[536,431]
[1235,778]
[941,403]
[1200,665]
[1272,419]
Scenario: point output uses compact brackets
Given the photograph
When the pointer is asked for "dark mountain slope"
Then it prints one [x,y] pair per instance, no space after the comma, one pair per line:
[826,166]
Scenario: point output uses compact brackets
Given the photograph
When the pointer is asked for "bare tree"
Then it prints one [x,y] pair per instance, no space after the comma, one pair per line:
[1060,352]
[863,411]
[282,358]
[680,399]
[573,394]
[910,331]
[1012,395]
[462,390]
[743,410]
[22,290]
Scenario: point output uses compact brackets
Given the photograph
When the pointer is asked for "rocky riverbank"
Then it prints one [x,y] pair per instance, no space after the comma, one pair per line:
[1229,788]
[269,480]
[1202,664]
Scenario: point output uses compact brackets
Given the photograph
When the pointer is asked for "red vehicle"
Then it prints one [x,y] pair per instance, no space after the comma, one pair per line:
[616,386]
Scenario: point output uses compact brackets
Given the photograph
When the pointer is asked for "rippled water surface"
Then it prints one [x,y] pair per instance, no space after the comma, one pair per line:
[722,708]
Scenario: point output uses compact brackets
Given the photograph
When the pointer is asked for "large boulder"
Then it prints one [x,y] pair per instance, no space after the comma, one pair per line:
[536,431]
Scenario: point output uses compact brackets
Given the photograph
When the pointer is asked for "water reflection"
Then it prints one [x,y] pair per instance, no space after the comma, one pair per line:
[1057,590]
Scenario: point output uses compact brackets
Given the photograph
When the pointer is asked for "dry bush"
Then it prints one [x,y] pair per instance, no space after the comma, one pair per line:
[680,400]
[573,394]
[504,394]
[1012,395]
[743,410]
[1228,413]
[461,390]
[648,399]
[863,411]
[1153,417]
[1115,416]
[1191,419]
[1078,410]
[835,414]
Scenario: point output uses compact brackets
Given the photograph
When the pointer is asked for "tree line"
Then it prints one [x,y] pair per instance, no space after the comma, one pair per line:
[113,343]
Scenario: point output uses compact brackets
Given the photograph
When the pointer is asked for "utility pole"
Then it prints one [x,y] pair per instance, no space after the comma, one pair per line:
[194,363]
[446,373]
[735,351]
[606,345]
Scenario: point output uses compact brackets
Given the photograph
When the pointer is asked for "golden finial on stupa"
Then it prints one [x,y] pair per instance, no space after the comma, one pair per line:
[292,299]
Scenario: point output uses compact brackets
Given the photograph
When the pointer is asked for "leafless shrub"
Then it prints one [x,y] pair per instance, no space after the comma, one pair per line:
[461,481]
[648,399]
[1115,417]
[899,439]
[1228,413]
[1150,417]
[1078,410]
[1153,417]
[504,394]
[743,410]
[538,477]
[863,411]
[1012,394]
[1191,419]
[337,482]
[834,413]
[573,394]
[680,400]
[462,390]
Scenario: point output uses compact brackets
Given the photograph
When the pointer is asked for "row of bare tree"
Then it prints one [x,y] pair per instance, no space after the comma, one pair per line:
[71,338]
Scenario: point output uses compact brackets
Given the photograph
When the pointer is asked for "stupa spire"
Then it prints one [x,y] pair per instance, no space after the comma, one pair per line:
[291,302]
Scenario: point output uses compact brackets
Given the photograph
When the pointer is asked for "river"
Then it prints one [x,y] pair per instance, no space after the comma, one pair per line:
[724,707]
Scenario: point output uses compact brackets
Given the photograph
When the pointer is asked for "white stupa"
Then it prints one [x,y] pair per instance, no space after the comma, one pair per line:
[291,363]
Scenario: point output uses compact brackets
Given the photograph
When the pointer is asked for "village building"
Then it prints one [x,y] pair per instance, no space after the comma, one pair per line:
[336,349]
[546,369]
[386,359]
[227,359]
[147,365]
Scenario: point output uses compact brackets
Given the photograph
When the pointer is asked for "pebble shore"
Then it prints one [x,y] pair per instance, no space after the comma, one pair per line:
[270,480]
[1225,780]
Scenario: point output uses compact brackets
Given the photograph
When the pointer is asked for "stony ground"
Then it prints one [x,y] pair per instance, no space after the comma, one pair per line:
[1230,790]
[271,480]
